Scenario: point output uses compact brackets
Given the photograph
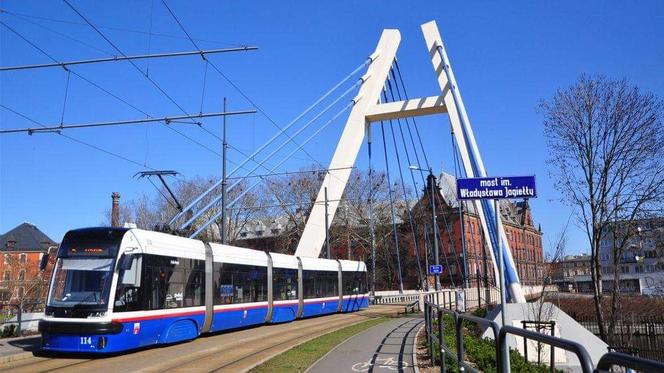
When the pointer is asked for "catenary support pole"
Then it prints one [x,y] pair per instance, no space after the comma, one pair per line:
[224,181]
[327,228]
[434,221]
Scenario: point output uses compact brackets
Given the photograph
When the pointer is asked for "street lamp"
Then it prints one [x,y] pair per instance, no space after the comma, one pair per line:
[435,223]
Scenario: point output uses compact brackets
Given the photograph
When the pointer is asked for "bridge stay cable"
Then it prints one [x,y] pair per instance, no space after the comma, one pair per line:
[252,156]
[306,141]
[391,198]
[403,186]
[237,88]
[437,234]
[216,199]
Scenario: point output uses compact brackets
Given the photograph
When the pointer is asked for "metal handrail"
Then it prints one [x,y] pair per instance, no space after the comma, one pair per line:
[411,306]
[627,361]
[571,346]
[458,325]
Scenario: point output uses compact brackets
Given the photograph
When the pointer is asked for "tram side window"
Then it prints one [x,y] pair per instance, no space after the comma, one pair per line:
[354,282]
[166,282]
[284,283]
[237,283]
[319,284]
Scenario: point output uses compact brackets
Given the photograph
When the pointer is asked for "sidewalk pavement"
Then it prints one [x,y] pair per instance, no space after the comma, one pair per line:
[12,349]
[384,347]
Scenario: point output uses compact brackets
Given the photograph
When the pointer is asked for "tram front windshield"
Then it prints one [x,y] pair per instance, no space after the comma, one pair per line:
[84,270]
[81,281]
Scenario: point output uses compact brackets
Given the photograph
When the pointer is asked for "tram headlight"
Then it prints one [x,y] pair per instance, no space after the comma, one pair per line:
[96,314]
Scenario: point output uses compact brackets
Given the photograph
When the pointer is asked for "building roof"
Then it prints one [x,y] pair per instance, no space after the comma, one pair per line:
[25,237]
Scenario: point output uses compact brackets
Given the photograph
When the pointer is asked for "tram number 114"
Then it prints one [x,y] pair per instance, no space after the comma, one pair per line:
[86,340]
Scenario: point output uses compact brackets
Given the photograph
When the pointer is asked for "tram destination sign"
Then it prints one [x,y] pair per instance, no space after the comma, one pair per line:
[496,187]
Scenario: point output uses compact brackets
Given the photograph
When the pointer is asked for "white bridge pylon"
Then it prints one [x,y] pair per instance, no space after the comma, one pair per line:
[367,109]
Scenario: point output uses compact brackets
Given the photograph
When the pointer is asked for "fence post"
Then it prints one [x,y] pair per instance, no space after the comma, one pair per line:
[430,336]
[459,340]
[525,343]
[20,316]
[441,341]
[479,294]
[553,349]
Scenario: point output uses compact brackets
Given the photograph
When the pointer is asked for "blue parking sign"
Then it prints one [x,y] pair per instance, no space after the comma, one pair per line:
[435,269]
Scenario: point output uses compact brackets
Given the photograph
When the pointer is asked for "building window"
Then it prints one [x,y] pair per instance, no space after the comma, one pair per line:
[21,292]
[23,258]
[7,258]
[21,275]
[7,276]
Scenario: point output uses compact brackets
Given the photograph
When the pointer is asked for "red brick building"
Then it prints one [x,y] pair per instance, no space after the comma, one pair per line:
[524,237]
[21,250]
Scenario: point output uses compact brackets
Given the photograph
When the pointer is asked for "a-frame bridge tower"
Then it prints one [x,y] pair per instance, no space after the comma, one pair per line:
[368,108]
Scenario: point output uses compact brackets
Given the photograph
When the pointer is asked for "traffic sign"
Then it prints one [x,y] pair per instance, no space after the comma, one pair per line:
[496,187]
[435,269]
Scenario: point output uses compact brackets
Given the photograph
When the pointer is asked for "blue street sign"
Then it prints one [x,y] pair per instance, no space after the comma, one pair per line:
[496,187]
[435,269]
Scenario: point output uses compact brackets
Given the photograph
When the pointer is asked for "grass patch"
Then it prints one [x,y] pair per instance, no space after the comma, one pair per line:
[299,358]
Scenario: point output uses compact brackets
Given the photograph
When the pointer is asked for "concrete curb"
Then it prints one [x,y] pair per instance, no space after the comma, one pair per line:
[415,362]
[15,357]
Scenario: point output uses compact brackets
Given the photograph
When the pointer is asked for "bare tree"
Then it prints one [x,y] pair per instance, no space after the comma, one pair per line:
[146,212]
[606,144]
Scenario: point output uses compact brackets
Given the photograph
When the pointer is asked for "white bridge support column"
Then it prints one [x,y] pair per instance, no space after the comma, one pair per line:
[367,109]
[471,158]
[349,145]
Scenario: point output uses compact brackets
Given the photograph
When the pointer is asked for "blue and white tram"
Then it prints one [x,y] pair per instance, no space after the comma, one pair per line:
[116,289]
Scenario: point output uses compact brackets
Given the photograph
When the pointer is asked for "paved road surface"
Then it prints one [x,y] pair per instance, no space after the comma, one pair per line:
[228,352]
[384,348]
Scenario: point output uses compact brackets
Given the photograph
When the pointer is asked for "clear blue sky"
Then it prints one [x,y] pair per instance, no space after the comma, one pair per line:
[506,58]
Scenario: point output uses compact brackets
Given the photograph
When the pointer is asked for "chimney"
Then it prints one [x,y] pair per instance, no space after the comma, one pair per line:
[115,210]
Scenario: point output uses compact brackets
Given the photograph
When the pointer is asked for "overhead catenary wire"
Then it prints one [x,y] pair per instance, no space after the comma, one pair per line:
[166,120]
[235,86]
[252,156]
[114,28]
[35,46]
[56,32]
[123,58]
[154,83]
[95,147]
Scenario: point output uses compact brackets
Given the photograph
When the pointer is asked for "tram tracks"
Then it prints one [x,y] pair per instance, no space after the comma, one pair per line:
[230,351]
